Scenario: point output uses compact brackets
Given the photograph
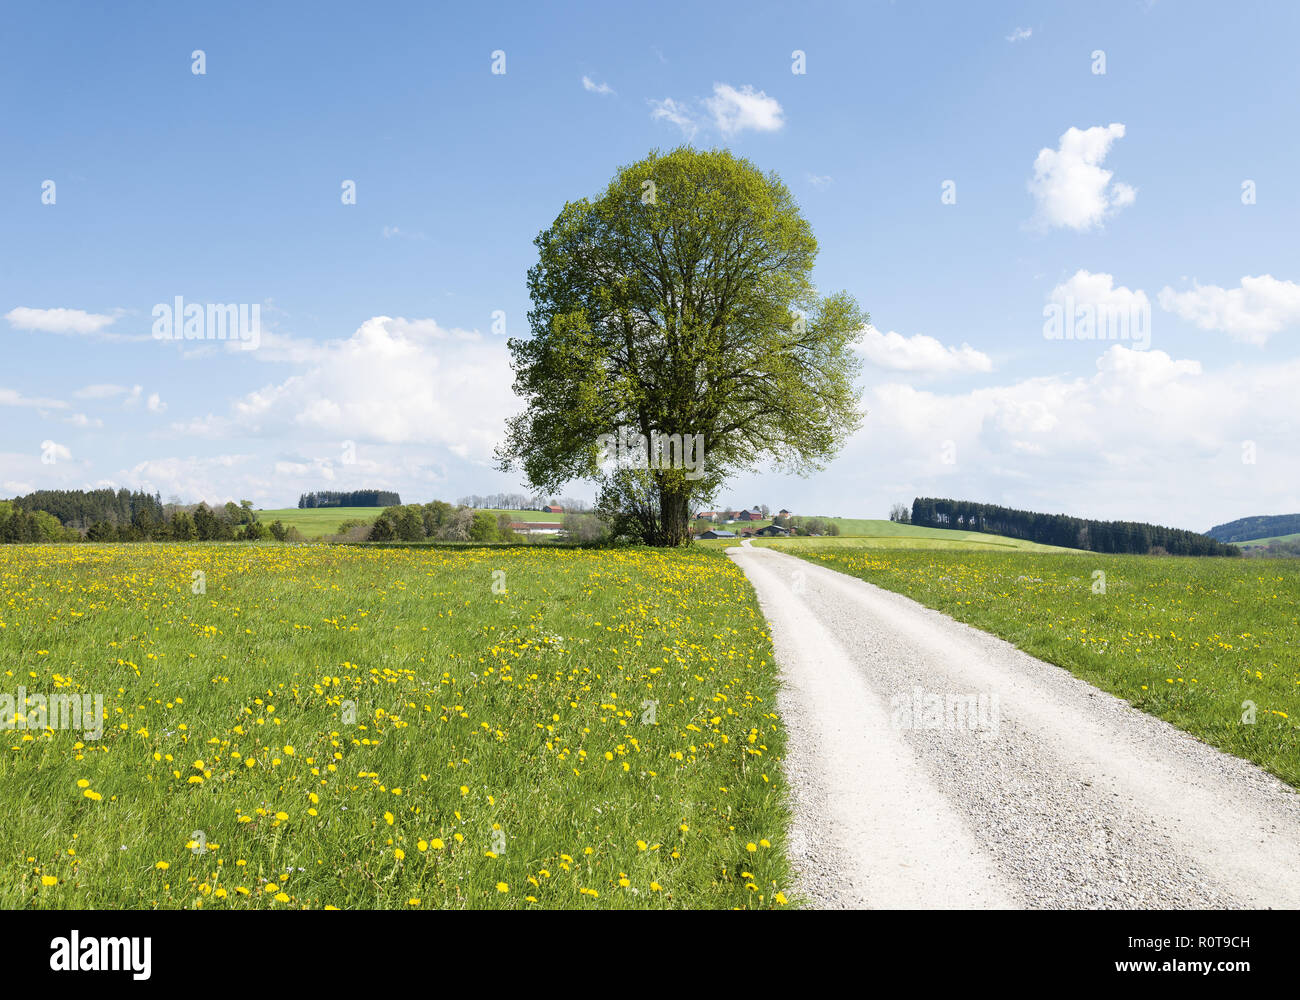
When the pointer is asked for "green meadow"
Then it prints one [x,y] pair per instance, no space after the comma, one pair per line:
[381,727]
[1207,644]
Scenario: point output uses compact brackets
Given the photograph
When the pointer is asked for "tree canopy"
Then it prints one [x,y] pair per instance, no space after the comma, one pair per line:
[679,303]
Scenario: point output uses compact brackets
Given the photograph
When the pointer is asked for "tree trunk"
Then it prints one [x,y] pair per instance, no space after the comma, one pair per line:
[674,514]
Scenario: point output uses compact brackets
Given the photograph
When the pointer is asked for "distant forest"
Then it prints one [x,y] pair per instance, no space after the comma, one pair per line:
[355,498]
[127,516]
[1072,532]
[1246,529]
[82,508]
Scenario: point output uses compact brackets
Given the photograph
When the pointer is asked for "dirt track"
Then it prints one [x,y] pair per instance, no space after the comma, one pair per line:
[1065,796]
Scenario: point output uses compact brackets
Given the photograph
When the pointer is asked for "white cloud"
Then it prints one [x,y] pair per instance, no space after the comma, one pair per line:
[394,381]
[676,114]
[193,478]
[12,397]
[155,403]
[730,111]
[1020,34]
[592,86]
[1251,312]
[1138,439]
[920,354]
[736,110]
[396,232]
[1070,185]
[100,390]
[1098,289]
[74,321]
[820,180]
[81,420]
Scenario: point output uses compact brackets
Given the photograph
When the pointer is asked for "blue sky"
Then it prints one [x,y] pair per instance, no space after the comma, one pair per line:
[377,317]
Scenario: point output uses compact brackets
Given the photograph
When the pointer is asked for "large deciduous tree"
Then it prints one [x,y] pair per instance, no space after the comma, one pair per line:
[681,302]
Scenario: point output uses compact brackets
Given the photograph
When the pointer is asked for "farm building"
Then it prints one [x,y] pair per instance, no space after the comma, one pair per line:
[717,533]
[536,527]
[773,531]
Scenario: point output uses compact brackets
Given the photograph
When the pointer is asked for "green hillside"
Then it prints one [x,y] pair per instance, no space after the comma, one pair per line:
[866,533]
[1261,528]
[1263,543]
[317,521]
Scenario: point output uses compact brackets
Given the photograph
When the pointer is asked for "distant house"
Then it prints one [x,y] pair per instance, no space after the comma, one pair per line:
[535,527]
[707,515]
[749,515]
[553,509]
[747,532]
[712,533]
[773,531]
[785,513]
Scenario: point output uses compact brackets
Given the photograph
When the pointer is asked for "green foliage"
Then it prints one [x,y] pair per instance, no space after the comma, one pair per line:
[689,313]
[438,521]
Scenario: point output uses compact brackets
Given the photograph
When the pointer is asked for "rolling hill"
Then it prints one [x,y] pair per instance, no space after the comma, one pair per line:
[1259,527]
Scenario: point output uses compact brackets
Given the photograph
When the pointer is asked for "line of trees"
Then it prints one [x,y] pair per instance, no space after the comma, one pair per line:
[18,525]
[80,509]
[351,498]
[1061,529]
[125,516]
[519,501]
[440,521]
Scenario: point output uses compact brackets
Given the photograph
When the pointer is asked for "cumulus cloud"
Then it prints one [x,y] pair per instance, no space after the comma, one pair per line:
[1070,186]
[67,321]
[195,478]
[729,111]
[1091,306]
[394,381]
[736,110]
[1020,35]
[590,85]
[1098,288]
[1251,312]
[1137,439]
[920,354]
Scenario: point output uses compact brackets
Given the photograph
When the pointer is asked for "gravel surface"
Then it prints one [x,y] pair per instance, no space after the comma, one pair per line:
[1062,797]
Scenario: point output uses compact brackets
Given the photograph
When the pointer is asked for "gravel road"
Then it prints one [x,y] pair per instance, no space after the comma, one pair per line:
[1061,796]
